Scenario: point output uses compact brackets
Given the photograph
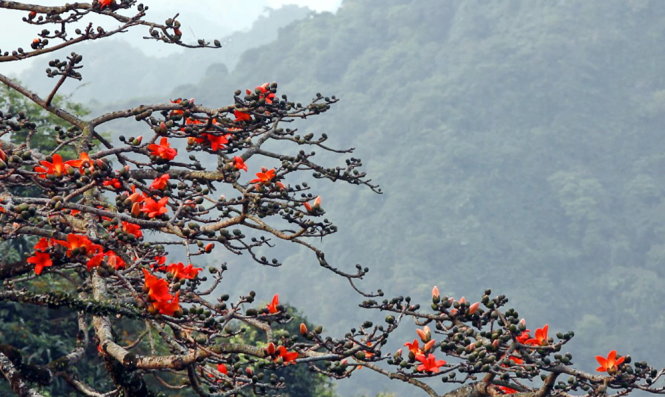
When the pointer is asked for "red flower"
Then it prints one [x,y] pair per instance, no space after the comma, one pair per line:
[114,183]
[95,261]
[523,337]
[80,243]
[242,116]
[609,364]
[163,150]
[217,141]
[44,244]
[287,356]
[158,288]
[40,260]
[181,271]
[414,347]
[239,163]
[168,307]
[83,161]
[57,167]
[177,111]
[191,121]
[222,368]
[114,260]
[265,176]
[272,306]
[161,182]
[104,3]
[136,197]
[264,93]
[132,229]
[154,208]
[516,360]
[507,390]
[540,339]
[160,260]
[429,363]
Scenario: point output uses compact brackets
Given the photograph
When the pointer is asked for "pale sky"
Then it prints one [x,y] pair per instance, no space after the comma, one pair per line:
[200,18]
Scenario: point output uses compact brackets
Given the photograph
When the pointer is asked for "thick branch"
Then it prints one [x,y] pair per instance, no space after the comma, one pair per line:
[13,376]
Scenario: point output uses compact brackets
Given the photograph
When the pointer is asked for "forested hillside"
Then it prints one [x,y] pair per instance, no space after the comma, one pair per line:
[519,145]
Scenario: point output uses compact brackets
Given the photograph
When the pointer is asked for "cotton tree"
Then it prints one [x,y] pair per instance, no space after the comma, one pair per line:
[102,220]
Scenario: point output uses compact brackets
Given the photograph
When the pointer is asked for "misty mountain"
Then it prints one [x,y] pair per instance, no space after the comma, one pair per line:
[519,146]
[115,71]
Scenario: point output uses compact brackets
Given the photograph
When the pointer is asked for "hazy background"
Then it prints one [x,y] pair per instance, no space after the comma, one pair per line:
[519,145]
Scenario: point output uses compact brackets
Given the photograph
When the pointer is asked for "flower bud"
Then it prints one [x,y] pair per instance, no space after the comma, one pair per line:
[473,308]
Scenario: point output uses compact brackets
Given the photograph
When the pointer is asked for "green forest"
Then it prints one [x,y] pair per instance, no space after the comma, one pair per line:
[518,145]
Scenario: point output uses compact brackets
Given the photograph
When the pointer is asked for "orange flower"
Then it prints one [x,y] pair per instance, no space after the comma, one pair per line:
[540,339]
[181,271]
[114,183]
[163,150]
[523,337]
[609,364]
[136,197]
[161,182]
[264,93]
[154,208]
[44,244]
[287,356]
[80,243]
[95,261]
[57,167]
[217,141]
[303,329]
[435,292]
[429,363]
[507,390]
[170,306]
[516,360]
[239,163]
[242,116]
[114,260]
[265,176]
[158,288]
[414,347]
[272,306]
[40,260]
[83,161]
[132,228]
[178,111]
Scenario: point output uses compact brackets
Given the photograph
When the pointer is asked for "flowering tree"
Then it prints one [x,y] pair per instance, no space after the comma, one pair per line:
[101,217]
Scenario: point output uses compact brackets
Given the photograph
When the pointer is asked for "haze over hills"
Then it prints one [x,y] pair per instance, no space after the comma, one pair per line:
[519,145]
[116,71]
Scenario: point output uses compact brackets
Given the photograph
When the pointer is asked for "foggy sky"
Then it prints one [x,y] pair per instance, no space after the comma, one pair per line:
[208,19]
